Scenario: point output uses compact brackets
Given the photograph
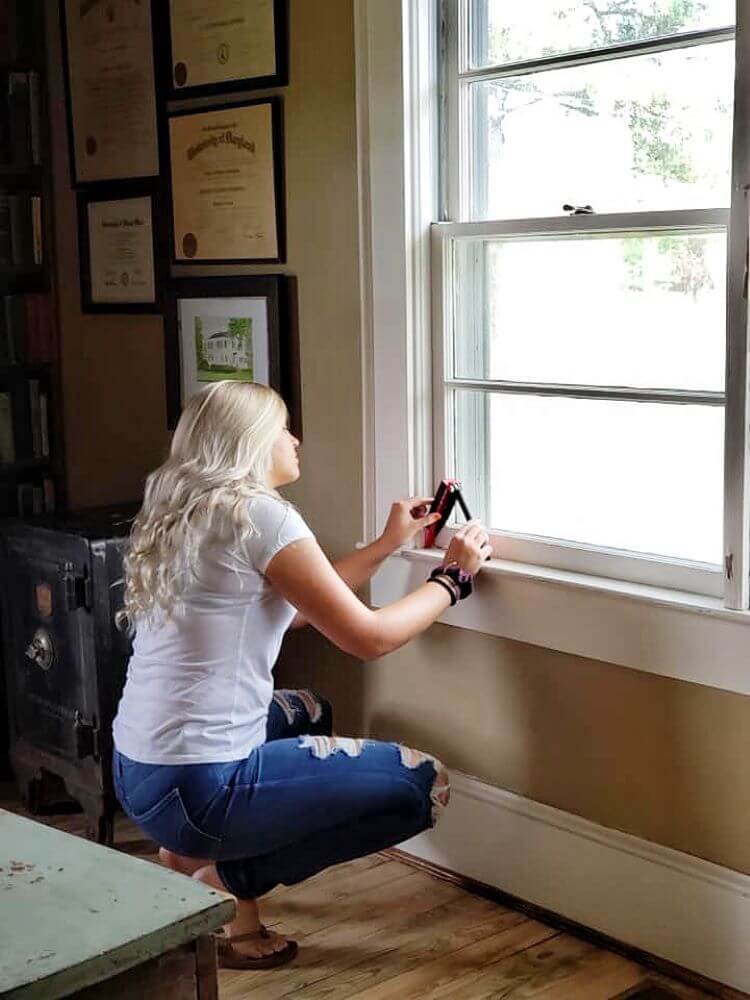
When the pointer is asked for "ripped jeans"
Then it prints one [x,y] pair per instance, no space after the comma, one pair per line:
[302,801]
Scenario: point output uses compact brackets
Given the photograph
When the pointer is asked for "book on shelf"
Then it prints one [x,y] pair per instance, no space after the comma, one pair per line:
[7,446]
[40,328]
[25,217]
[6,251]
[35,414]
[44,423]
[16,38]
[32,498]
[14,328]
[20,230]
[35,119]
[18,109]
[20,119]
[27,329]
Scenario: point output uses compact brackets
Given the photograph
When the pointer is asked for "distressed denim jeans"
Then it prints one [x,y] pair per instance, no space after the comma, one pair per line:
[302,801]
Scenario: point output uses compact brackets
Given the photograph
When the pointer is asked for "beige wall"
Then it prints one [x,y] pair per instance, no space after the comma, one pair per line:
[658,758]
[112,366]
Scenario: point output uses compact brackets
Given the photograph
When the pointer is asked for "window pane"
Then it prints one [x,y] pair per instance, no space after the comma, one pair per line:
[643,477]
[645,311]
[502,31]
[644,133]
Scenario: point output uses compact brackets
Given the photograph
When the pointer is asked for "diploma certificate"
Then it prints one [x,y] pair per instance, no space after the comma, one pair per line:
[223,184]
[216,41]
[121,251]
[111,85]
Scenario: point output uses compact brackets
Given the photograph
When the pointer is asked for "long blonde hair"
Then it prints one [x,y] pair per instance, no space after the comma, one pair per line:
[219,458]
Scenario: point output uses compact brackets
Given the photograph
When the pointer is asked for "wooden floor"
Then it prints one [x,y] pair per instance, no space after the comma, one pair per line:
[376,929]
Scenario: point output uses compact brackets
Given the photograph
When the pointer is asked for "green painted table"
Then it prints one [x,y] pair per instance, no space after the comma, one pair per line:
[79,919]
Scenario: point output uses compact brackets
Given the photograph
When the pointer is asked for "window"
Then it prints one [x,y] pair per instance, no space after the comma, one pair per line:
[581,288]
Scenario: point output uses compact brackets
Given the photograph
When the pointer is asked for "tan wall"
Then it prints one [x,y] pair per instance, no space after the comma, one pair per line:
[661,759]
[115,422]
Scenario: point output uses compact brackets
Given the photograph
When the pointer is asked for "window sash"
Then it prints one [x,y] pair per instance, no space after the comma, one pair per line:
[455,166]
[677,574]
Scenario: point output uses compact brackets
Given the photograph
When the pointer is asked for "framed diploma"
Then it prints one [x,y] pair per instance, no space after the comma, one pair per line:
[109,69]
[234,328]
[226,184]
[222,45]
[121,248]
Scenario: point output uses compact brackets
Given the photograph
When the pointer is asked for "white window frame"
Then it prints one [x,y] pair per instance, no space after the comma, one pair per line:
[457,79]
[658,627]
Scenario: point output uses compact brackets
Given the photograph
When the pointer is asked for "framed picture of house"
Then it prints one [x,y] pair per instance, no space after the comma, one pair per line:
[234,328]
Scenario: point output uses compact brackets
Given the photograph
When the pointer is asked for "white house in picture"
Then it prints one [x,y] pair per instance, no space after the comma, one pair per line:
[227,351]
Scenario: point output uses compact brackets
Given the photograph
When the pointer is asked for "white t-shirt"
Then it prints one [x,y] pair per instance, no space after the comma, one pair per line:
[199,684]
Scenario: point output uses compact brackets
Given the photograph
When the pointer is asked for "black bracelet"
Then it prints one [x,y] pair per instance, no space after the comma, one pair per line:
[460,580]
[442,582]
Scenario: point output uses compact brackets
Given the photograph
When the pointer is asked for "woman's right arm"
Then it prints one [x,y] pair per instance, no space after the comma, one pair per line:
[305,577]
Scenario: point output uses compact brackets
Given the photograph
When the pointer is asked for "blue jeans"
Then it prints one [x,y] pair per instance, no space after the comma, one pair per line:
[302,801]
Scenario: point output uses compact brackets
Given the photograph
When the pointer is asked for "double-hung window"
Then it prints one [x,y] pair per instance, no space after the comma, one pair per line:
[586,295]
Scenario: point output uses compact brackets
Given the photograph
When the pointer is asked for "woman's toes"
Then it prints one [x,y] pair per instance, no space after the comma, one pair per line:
[259,947]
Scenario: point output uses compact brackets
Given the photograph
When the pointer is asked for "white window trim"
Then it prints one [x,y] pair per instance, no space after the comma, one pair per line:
[670,632]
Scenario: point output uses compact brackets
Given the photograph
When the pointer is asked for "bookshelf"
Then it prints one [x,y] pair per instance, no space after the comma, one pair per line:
[31,467]
[32,471]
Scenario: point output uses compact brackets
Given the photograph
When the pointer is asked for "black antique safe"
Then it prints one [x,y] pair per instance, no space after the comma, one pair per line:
[64,659]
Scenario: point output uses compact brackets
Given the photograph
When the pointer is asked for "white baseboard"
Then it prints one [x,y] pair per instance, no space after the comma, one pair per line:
[673,905]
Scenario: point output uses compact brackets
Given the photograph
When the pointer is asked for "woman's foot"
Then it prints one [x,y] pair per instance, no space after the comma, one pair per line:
[181,863]
[246,921]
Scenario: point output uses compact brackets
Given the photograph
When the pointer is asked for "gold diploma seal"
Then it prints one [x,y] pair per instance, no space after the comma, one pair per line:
[180,74]
[189,245]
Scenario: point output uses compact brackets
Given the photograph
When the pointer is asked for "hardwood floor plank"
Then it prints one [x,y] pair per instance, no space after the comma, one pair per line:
[339,962]
[442,973]
[563,967]
[315,907]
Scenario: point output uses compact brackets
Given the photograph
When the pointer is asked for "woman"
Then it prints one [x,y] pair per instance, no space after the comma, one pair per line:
[243,789]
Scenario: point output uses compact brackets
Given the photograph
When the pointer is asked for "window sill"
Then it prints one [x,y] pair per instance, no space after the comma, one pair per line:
[688,637]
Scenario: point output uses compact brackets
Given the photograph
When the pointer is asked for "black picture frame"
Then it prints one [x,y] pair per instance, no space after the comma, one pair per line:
[279,291]
[125,183]
[277,140]
[280,78]
[114,193]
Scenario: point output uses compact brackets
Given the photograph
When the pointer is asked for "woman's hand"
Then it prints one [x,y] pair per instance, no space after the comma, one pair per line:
[406,519]
[469,547]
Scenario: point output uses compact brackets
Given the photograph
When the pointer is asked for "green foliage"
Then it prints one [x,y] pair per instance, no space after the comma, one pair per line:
[657,144]
[633,255]
[688,263]
[618,21]
[200,346]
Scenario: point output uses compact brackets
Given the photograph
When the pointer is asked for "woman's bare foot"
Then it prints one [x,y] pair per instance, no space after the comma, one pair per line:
[246,920]
[181,863]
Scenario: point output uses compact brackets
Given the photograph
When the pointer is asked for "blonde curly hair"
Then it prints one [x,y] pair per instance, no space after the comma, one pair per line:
[219,458]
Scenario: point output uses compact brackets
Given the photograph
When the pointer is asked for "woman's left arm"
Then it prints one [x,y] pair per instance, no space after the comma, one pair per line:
[406,519]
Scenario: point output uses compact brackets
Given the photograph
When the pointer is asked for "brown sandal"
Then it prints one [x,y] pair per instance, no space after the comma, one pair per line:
[230,958]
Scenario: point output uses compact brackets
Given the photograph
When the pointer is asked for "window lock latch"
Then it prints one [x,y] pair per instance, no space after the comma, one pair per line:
[578,209]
